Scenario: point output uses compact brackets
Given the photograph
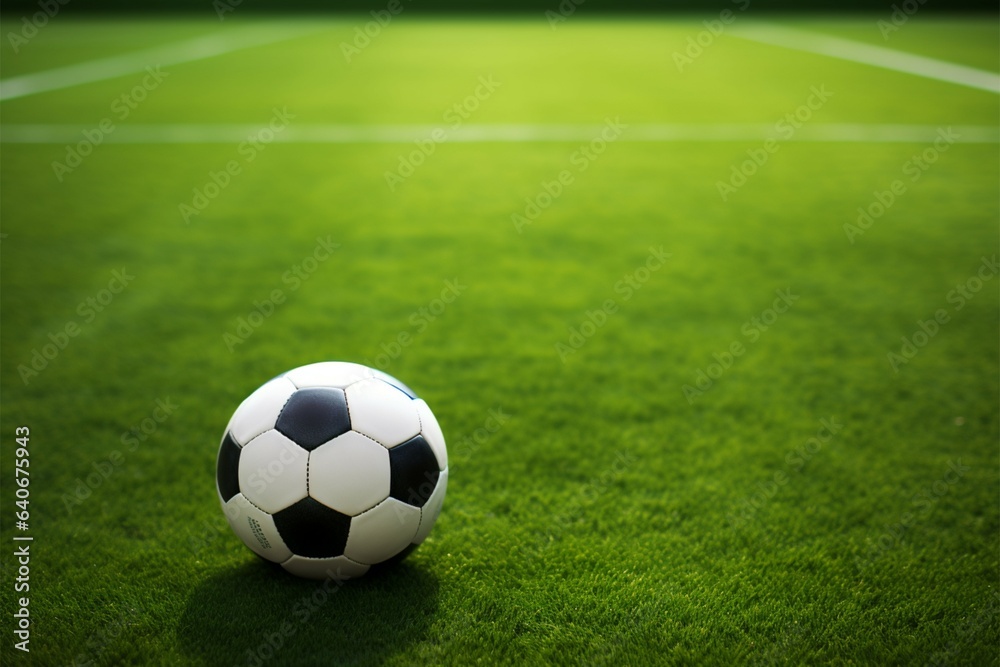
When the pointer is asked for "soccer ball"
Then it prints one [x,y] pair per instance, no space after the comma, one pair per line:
[332,468]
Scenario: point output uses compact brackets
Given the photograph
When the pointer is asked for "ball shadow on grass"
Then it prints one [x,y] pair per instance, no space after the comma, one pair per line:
[258,614]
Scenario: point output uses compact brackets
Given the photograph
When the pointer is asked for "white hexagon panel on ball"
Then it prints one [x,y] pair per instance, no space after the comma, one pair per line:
[382,412]
[256,528]
[382,532]
[273,472]
[341,374]
[260,410]
[350,473]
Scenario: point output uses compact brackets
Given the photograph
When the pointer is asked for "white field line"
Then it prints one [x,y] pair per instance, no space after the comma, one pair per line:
[878,56]
[166,55]
[513,133]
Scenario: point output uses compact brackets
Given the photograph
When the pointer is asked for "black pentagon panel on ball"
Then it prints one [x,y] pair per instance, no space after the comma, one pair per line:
[227,471]
[311,529]
[413,471]
[313,416]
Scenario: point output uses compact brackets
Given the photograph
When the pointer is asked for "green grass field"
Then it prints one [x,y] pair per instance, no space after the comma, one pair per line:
[825,494]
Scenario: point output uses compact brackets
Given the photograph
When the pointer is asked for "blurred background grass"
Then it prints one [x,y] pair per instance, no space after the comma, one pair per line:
[607,520]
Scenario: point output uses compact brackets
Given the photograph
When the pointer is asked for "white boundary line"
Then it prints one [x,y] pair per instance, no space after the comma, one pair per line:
[878,56]
[176,53]
[512,133]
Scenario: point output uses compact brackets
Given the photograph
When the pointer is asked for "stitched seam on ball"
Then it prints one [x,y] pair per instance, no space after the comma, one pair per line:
[357,562]
[258,435]
[347,403]
[285,404]
[420,419]
[270,428]
[427,435]
[378,504]
[253,504]
[365,435]
[347,558]
[290,380]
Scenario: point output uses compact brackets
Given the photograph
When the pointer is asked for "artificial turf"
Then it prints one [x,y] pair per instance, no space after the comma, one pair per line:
[812,505]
